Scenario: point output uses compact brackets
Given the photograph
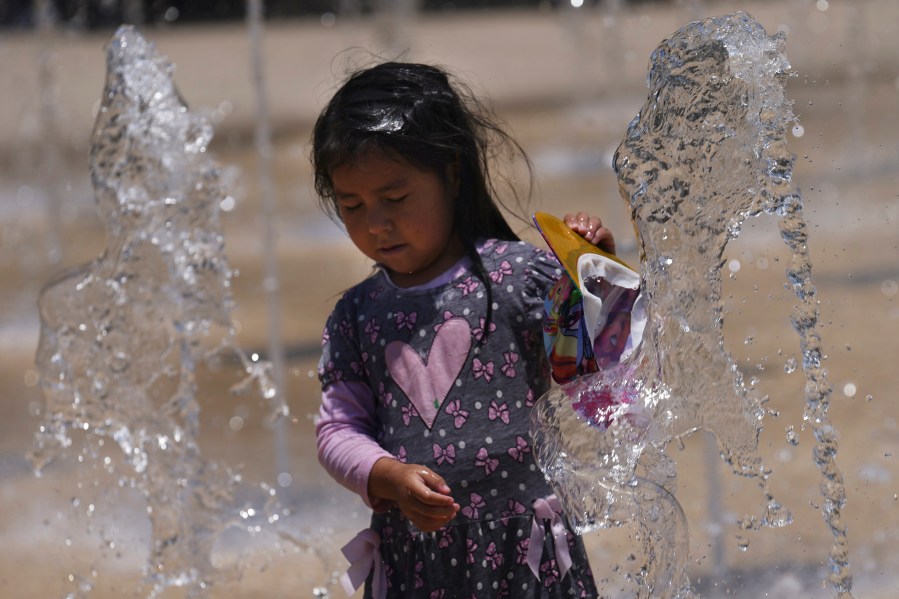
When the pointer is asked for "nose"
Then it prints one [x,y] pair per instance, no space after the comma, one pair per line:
[378,219]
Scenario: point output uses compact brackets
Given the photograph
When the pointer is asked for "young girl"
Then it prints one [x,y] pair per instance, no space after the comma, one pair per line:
[431,365]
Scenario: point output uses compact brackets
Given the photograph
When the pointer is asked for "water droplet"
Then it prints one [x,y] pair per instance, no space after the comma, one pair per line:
[227,204]
[798,130]
[119,362]
[792,436]
[777,516]
[790,365]
[849,389]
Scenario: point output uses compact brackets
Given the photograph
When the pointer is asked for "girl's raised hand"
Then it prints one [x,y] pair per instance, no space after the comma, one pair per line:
[591,229]
[419,492]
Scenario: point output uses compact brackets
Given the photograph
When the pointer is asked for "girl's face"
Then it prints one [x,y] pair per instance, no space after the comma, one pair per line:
[398,215]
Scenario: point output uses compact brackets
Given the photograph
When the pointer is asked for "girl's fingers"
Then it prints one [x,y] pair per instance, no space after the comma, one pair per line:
[579,222]
[591,229]
[435,482]
[442,513]
[604,239]
[428,521]
[583,223]
[434,498]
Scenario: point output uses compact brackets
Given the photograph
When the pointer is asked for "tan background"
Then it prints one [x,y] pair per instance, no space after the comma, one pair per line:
[567,82]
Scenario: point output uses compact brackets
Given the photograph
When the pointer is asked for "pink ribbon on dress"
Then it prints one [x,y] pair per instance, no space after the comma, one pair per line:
[548,509]
[363,554]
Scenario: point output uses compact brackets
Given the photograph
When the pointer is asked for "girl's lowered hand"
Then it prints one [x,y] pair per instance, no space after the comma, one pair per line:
[591,229]
[419,492]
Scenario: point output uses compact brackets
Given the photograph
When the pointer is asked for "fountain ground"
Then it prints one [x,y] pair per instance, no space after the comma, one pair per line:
[845,94]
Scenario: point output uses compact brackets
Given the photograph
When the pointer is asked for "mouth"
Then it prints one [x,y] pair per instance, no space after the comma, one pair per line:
[389,250]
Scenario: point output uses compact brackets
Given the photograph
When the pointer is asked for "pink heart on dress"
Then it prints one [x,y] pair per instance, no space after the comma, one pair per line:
[428,383]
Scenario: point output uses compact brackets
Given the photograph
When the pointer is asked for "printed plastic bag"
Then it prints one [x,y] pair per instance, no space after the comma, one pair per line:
[595,316]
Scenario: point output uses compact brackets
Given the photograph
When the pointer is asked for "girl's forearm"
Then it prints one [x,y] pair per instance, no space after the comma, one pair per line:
[345,436]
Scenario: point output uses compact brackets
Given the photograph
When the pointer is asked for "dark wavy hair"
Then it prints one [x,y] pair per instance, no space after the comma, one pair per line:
[417,113]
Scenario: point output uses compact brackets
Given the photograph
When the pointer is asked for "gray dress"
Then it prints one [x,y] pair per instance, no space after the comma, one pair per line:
[457,398]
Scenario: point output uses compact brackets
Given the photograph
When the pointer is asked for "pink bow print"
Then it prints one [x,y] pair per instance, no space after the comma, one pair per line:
[493,557]
[409,412]
[386,396]
[459,415]
[471,510]
[516,508]
[405,321]
[468,285]
[509,367]
[471,546]
[445,539]
[501,411]
[481,369]
[504,270]
[478,332]
[521,448]
[483,459]
[372,329]
[447,454]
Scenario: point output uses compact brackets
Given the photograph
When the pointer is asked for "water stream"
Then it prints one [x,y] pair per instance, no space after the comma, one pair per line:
[122,337]
[707,150]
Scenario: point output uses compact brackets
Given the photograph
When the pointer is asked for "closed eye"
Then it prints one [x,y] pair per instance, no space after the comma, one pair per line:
[349,206]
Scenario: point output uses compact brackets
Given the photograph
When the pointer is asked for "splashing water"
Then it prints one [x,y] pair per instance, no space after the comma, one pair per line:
[707,150]
[122,336]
